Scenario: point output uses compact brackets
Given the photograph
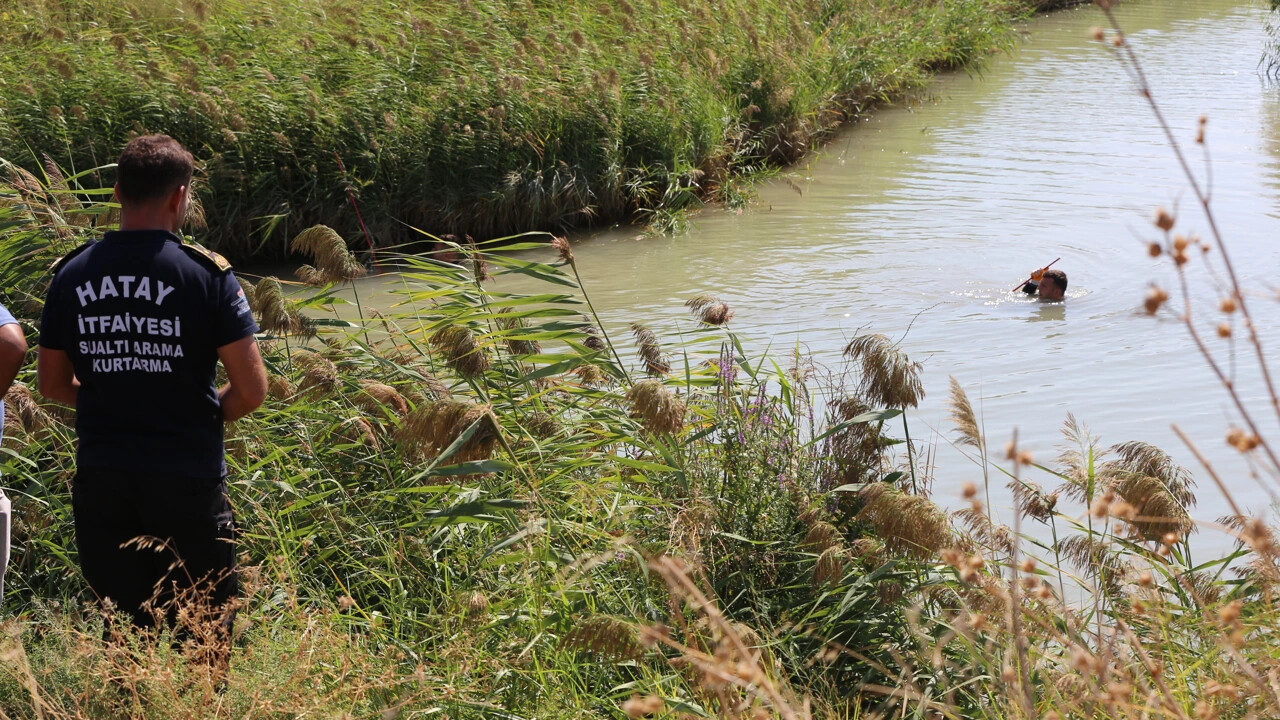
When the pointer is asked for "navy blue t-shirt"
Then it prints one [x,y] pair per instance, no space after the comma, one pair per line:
[141,319]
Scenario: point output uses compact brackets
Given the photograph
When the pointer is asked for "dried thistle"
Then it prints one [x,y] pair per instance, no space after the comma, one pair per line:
[888,378]
[334,262]
[379,399]
[660,410]
[430,429]
[461,352]
[710,309]
[650,351]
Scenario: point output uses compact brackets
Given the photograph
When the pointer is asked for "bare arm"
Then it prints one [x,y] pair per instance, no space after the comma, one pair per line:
[246,386]
[13,352]
[56,377]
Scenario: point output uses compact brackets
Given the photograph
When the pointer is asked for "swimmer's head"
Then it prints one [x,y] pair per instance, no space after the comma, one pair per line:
[1053,285]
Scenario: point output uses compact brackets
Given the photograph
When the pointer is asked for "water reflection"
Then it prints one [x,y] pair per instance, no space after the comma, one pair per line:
[1049,312]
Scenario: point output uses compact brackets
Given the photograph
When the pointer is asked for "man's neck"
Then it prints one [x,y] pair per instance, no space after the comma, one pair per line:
[142,220]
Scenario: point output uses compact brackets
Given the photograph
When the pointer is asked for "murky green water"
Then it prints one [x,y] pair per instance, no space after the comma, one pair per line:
[916,222]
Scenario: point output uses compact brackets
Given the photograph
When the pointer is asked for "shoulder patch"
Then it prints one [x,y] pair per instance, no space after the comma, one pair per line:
[207,256]
[57,264]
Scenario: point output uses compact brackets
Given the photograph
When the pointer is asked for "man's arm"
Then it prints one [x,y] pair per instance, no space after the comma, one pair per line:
[56,377]
[13,352]
[246,386]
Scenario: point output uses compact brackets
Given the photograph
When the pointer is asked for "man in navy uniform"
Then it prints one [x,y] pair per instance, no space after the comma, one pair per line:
[133,328]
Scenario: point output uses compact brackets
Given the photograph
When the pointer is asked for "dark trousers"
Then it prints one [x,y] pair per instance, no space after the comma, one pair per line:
[160,547]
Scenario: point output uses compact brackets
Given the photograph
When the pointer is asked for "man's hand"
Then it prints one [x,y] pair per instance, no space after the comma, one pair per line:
[56,377]
[246,386]
[13,353]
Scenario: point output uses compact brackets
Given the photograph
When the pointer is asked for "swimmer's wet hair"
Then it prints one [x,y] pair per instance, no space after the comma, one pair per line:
[1059,278]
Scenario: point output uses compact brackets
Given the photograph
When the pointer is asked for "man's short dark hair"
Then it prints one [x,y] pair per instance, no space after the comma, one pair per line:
[1059,278]
[151,167]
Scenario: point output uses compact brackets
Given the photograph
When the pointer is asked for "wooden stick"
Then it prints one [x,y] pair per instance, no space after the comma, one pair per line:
[1024,282]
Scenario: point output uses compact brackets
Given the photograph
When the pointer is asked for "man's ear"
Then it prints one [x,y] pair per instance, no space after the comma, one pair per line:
[115,192]
[176,198]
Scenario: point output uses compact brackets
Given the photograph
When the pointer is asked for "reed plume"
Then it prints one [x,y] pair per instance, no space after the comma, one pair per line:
[856,449]
[1079,458]
[280,387]
[510,329]
[650,351]
[23,416]
[709,309]
[458,346]
[590,375]
[592,340]
[962,417]
[1159,490]
[888,379]
[541,425]
[430,429]
[1030,500]
[357,431]
[659,409]
[562,248]
[604,637]
[907,524]
[334,263]
[276,315]
[829,567]
[319,374]
[380,400]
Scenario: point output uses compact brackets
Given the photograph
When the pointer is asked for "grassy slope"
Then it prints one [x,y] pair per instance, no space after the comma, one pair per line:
[480,116]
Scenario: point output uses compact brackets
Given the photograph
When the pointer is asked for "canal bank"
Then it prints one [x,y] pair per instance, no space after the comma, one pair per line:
[481,117]
[916,222]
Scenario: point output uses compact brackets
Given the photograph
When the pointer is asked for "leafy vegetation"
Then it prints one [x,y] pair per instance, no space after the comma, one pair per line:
[487,117]
[472,505]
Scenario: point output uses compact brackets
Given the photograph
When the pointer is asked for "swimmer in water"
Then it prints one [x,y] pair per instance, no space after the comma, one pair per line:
[1048,285]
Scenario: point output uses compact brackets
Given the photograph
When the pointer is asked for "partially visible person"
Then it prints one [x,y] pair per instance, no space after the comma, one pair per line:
[1048,285]
[134,326]
[13,352]
[1053,286]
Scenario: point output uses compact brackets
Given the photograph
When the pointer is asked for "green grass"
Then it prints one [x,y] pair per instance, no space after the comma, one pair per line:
[483,510]
[487,117]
